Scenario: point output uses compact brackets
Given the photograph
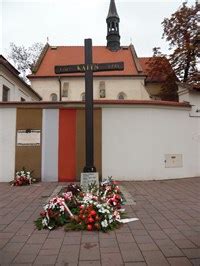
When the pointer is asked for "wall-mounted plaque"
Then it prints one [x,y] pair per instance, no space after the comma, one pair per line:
[88,179]
[173,160]
[28,137]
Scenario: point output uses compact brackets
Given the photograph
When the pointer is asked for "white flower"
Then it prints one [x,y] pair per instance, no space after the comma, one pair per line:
[62,208]
[45,222]
[104,223]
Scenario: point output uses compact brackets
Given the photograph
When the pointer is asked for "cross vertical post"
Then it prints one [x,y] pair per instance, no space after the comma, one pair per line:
[88,68]
[89,129]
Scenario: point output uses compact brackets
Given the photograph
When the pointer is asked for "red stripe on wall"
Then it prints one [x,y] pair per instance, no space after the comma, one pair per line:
[67,146]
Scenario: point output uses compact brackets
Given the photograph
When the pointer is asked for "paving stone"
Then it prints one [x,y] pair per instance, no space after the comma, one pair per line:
[143,239]
[130,252]
[37,239]
[105,243]
[107,235]
[24,258]
[19,239]
[124,237]
[6,235]
[45,260]
[193,253]
[90,238]
[46,252]
[110,250]
[155,258]
[52,243]
[184,243]
[69,254]
[88,263]
[89,251]
[31,249]
[171,251]
[195,262]
[12,247]
[135,264]
[183,261]
[72,240]
[57,234]
[158,235]
[111,259]
[148,246]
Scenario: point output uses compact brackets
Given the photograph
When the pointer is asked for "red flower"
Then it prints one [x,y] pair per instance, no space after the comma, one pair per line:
[89,227]
[93,213]
[90,220]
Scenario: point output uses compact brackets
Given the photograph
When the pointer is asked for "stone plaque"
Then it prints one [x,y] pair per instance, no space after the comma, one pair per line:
[89,178]
[28,137]
[173,160]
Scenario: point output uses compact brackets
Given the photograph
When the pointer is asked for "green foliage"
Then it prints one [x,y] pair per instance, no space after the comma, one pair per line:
[38,223]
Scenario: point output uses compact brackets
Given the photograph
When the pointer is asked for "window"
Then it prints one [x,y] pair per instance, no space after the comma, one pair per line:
[83,96]
[53,97]
[5,95]
[102,90]
[121,96]
[65,89]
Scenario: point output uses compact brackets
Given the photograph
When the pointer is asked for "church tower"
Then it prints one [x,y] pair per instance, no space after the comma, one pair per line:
[112,20]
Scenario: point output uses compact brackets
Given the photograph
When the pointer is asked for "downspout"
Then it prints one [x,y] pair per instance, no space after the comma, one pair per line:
[60,89]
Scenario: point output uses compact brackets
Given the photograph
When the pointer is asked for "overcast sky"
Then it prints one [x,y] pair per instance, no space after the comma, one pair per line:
[68,22]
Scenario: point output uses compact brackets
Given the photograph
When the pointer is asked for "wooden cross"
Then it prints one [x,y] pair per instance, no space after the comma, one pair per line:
[88,68]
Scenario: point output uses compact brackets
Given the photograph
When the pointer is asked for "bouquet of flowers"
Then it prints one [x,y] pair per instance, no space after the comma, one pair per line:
[23,178]
[96,209]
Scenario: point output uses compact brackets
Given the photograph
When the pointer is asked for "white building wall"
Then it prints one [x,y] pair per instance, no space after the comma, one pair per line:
[7,144]
[15,91]
[132,87]
[136,139]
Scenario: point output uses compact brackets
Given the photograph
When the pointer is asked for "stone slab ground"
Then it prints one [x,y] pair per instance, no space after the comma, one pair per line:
[167,233]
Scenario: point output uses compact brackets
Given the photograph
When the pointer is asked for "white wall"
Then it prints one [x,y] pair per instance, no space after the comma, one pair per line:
[50,122]
[16,91]
[136,139]
[133,87]
[7,144]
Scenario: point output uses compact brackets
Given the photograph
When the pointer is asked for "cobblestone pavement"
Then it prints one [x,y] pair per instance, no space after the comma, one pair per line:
[167,233]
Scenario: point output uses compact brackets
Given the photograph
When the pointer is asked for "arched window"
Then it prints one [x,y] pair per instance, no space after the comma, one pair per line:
[53,97]
[65,89]
[121,96]
[102,89]
[83,96]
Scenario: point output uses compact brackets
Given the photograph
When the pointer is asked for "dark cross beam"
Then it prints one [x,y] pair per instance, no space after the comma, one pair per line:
[88,68]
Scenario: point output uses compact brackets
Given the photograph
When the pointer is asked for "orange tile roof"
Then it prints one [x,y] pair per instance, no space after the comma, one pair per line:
[70,55]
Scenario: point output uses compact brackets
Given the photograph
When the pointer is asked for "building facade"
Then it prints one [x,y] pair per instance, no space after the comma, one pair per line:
[12,87]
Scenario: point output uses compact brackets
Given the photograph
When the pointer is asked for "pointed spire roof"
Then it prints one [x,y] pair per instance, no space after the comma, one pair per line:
[112,10]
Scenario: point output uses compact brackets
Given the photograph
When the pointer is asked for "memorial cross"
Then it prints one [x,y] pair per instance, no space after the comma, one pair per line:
[88,68]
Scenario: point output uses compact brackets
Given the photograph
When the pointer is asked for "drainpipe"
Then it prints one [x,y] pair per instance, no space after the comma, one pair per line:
[60,89]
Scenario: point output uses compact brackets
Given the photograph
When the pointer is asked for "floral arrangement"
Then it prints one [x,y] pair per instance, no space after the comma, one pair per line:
[23,178]
[99,208]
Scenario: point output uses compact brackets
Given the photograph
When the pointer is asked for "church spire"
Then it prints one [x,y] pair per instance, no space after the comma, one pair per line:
[112,20]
